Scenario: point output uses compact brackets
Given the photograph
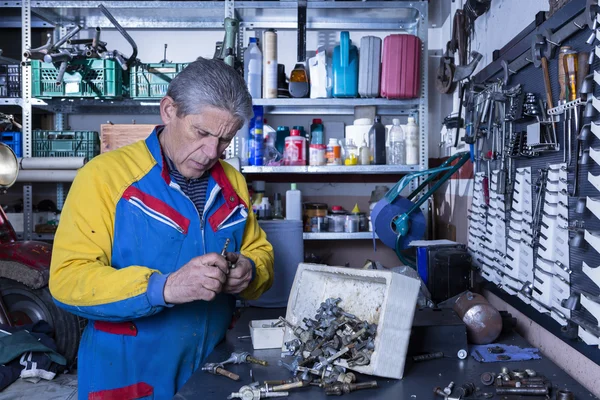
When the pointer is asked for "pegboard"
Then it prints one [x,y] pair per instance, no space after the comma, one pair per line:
[531,79]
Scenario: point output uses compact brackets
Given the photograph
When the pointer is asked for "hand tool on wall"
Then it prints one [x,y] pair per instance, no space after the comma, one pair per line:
[586,87]
[561,72]
[228,48]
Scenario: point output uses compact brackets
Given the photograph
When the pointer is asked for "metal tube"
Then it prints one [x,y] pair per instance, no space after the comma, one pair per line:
[523,391]
[51,163]
[55,176]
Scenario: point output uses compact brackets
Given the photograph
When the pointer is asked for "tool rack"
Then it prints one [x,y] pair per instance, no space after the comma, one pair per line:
[561,290]
[393,16]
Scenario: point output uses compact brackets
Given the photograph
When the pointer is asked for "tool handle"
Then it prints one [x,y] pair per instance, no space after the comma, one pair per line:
[561,74]
[228,374]
[547,84]
[583,67]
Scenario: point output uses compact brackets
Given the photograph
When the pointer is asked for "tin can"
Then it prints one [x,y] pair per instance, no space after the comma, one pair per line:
[351,223]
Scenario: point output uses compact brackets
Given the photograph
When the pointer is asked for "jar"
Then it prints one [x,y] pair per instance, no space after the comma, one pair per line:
[319,224]
[334,152]
[337,219]
[312,210]
[351,223]
[363,222]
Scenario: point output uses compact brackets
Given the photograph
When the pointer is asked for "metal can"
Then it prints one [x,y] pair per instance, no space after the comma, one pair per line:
[483,321]
[351,223]
[319,224]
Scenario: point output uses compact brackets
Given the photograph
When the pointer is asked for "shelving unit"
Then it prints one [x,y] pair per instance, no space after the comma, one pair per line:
[392,16]
[339,236]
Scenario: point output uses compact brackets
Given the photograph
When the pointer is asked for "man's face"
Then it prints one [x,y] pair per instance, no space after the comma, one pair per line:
[195,142]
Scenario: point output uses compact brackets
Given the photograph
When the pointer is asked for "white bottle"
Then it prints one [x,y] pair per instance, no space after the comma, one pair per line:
[364,157]
[412,142]
[293,204]
[253,69]
[396,154]
[270,64]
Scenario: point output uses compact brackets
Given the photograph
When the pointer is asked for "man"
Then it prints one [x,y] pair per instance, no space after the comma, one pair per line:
[137,250]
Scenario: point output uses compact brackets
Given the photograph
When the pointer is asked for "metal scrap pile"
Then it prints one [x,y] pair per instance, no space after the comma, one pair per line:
[333,335]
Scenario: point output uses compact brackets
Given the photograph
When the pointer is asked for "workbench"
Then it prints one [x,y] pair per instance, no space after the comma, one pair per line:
[418,382]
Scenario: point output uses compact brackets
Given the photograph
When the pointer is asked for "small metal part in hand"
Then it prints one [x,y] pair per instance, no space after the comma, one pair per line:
[224,254]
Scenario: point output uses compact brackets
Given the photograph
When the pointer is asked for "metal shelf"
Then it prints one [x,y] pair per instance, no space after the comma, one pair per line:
[272,106]
[10,101]
[334,15]
[338,236]
[37,236]
[332,169]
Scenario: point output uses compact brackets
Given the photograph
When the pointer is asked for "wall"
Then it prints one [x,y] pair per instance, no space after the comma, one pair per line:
[493,30]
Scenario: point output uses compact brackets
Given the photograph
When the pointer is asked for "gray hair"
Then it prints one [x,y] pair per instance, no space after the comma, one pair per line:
[212,83]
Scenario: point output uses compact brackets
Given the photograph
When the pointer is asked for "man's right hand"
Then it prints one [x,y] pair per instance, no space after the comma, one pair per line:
[202,278]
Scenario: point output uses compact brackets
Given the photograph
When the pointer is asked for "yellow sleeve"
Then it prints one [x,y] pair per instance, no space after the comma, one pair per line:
[255,245]
[82,279]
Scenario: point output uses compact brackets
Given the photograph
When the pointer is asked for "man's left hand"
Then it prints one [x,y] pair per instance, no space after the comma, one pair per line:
[239,277]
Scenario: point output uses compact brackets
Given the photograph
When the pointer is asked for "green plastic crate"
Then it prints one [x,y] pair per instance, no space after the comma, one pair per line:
[151,81]
[66,144]
[88,77]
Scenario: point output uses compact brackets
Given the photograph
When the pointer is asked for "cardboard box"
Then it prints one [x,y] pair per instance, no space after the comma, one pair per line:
[118,135]
[382,297]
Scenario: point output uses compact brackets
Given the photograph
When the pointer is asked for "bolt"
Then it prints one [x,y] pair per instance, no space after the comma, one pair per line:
[426,357]
[448,389]
[285,387]
[487,378]
[523,391]
[438,391]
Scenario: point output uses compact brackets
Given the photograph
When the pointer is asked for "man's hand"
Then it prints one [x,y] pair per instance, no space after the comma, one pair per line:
[202,278]
[239,277]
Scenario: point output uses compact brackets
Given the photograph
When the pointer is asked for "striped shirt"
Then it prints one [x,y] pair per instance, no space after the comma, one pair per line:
[195,189]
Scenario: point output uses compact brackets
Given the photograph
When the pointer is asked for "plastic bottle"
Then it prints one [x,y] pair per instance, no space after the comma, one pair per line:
[317,133]
[282,133]
[295,149]
[270,64]
[293,203]
[264,209]
[256,139]
[377,142]
[364,156]
[334,152]
[253,69]
[277,207]
[396,154]
[412,142]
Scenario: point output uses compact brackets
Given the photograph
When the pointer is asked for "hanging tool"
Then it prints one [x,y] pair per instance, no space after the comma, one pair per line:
[570,61]
[227,49]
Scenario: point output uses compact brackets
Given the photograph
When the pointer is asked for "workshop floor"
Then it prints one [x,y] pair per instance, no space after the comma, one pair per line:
[63,387]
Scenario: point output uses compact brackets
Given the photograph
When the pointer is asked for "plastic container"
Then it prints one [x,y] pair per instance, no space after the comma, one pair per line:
[412,142]
[277,206]
[377,142]
[298,85]
[293,203]
[337,219]
[334,152]
[88,77]
[151,81]
[65,144]
[295,149]
[282,133]
[14,140]
[359,130]
[264,209]
[256,143]
[369,66]
[317,67]
[317,133]
[345,68]
[400,67]
[364,154]
[270,64]
[266,338]
[317,155]
[10,80]
[253,63]
[396,154]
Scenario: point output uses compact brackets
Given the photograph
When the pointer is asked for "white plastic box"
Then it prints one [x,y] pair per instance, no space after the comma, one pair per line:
[382,297]
[266,338]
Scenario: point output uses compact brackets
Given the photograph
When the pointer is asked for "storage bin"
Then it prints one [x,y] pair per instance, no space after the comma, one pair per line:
[384,298]
[401,67]
[369,66]
[14,140]
[10,80]
[65,144]
[151,81]
[83,78]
